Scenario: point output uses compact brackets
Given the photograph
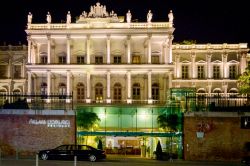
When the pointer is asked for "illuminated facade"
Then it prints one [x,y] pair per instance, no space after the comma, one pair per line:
[123,69]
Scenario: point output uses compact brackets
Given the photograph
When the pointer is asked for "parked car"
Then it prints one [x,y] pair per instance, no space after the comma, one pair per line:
[67,152]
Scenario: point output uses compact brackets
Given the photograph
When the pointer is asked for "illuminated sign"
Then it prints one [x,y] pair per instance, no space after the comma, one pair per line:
[51,123]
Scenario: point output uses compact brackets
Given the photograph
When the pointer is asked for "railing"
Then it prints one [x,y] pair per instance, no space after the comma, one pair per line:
[99,25]
[209,46]
[14,48]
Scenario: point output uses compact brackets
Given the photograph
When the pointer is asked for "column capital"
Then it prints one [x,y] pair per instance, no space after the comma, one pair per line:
[68,36]
[49,37]
[128,37]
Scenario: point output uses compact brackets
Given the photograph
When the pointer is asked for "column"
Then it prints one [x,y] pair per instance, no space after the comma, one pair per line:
[243,63]
[170,48]
[128,49]
[170,77]
[165,56]
[108,87]
[88,100]
[48,85]
[23,69]
[48,48]
[209,88]
[9,68]
[149,49]
[29,49]
[193,65]
[68,49]
[29,87]
[108,49]
[225,87]
[129,99]
[68,100]
[178,68]
[225,69]
[150,101]
[209,71]
[88,49]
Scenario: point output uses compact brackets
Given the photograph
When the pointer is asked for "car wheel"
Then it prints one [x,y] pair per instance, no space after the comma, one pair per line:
[92,158]
[44,156]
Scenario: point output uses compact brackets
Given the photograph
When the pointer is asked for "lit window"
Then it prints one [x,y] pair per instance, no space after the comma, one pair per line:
[184,72]
[98,92]
[80,92]
[99,60]
[155,59]
[136,59]
[201,72]
[117,92]
[216,72]
[232,72]
[155,92]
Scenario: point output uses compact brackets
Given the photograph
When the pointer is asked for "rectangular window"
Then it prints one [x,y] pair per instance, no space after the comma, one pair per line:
[98,60]
[3,71]
[80,59]
[117,59]
[136,59]
[216,72]
[155,59]
[17,71]
[44,60]
[200,72]
[184,72]
[232,72]
[62,60]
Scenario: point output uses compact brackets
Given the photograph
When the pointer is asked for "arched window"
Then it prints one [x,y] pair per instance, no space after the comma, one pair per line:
[136,91]
[16,94]
[155,91]
[98,92]
[80,92]
[62,91]
[117,92]
[3,98]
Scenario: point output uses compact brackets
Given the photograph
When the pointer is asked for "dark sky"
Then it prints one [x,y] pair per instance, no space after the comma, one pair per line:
[206,21]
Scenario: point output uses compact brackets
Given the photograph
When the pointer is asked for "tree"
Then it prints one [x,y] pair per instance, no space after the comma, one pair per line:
[244,82]
[158,151]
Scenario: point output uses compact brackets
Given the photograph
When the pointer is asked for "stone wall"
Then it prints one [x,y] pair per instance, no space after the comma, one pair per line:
[223,137]
[27,131]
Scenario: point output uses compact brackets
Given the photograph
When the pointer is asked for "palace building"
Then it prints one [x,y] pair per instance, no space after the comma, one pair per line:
[121,70]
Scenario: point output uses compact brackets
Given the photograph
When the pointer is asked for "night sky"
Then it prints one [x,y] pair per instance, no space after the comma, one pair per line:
[206,21]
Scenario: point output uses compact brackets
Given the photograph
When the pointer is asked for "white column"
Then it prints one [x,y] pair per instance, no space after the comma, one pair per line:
[29,49]
[178,67]
[23,69]
[150,101]
[149,49]
[225,67]
[108,87]
[170,77]
[129,100]
[48,48]
[193,66]
[9,68]
[48,84]
[165,56]
[29,86]
[68,50]
[108,49]
[88,49]
[128,49]
[243,63]
[68,86]
[88,100]
[209,71]
[170,49]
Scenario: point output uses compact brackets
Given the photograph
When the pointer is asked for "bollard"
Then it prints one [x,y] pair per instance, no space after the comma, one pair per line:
[36,160]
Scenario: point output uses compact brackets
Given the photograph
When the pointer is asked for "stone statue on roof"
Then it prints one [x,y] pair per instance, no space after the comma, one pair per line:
[128,16]
[68,20]
[48,18]
[170,17]
[29,18]
[149,16]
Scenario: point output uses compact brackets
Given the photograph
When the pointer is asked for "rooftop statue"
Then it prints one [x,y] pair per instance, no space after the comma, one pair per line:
[98,12]
[129,16]
[170,17]
[29,18]
[68,18]
[149,16]
[48,18]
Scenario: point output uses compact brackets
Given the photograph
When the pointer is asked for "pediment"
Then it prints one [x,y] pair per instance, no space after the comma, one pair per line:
[233,61]
[201,61]
[217,61]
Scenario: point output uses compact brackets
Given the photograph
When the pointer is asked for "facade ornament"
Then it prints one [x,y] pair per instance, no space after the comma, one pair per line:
[68,18]
[149,16]
[170,17]
[29,18]
[48,18]
[129,16]
[84,14]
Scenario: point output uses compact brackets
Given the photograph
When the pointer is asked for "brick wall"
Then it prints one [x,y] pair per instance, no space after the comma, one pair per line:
[223,137]
[27,133]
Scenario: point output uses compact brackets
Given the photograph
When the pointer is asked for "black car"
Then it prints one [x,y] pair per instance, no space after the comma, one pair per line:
[67,152]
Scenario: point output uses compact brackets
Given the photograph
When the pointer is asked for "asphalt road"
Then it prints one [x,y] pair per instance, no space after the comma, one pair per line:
[114,161]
